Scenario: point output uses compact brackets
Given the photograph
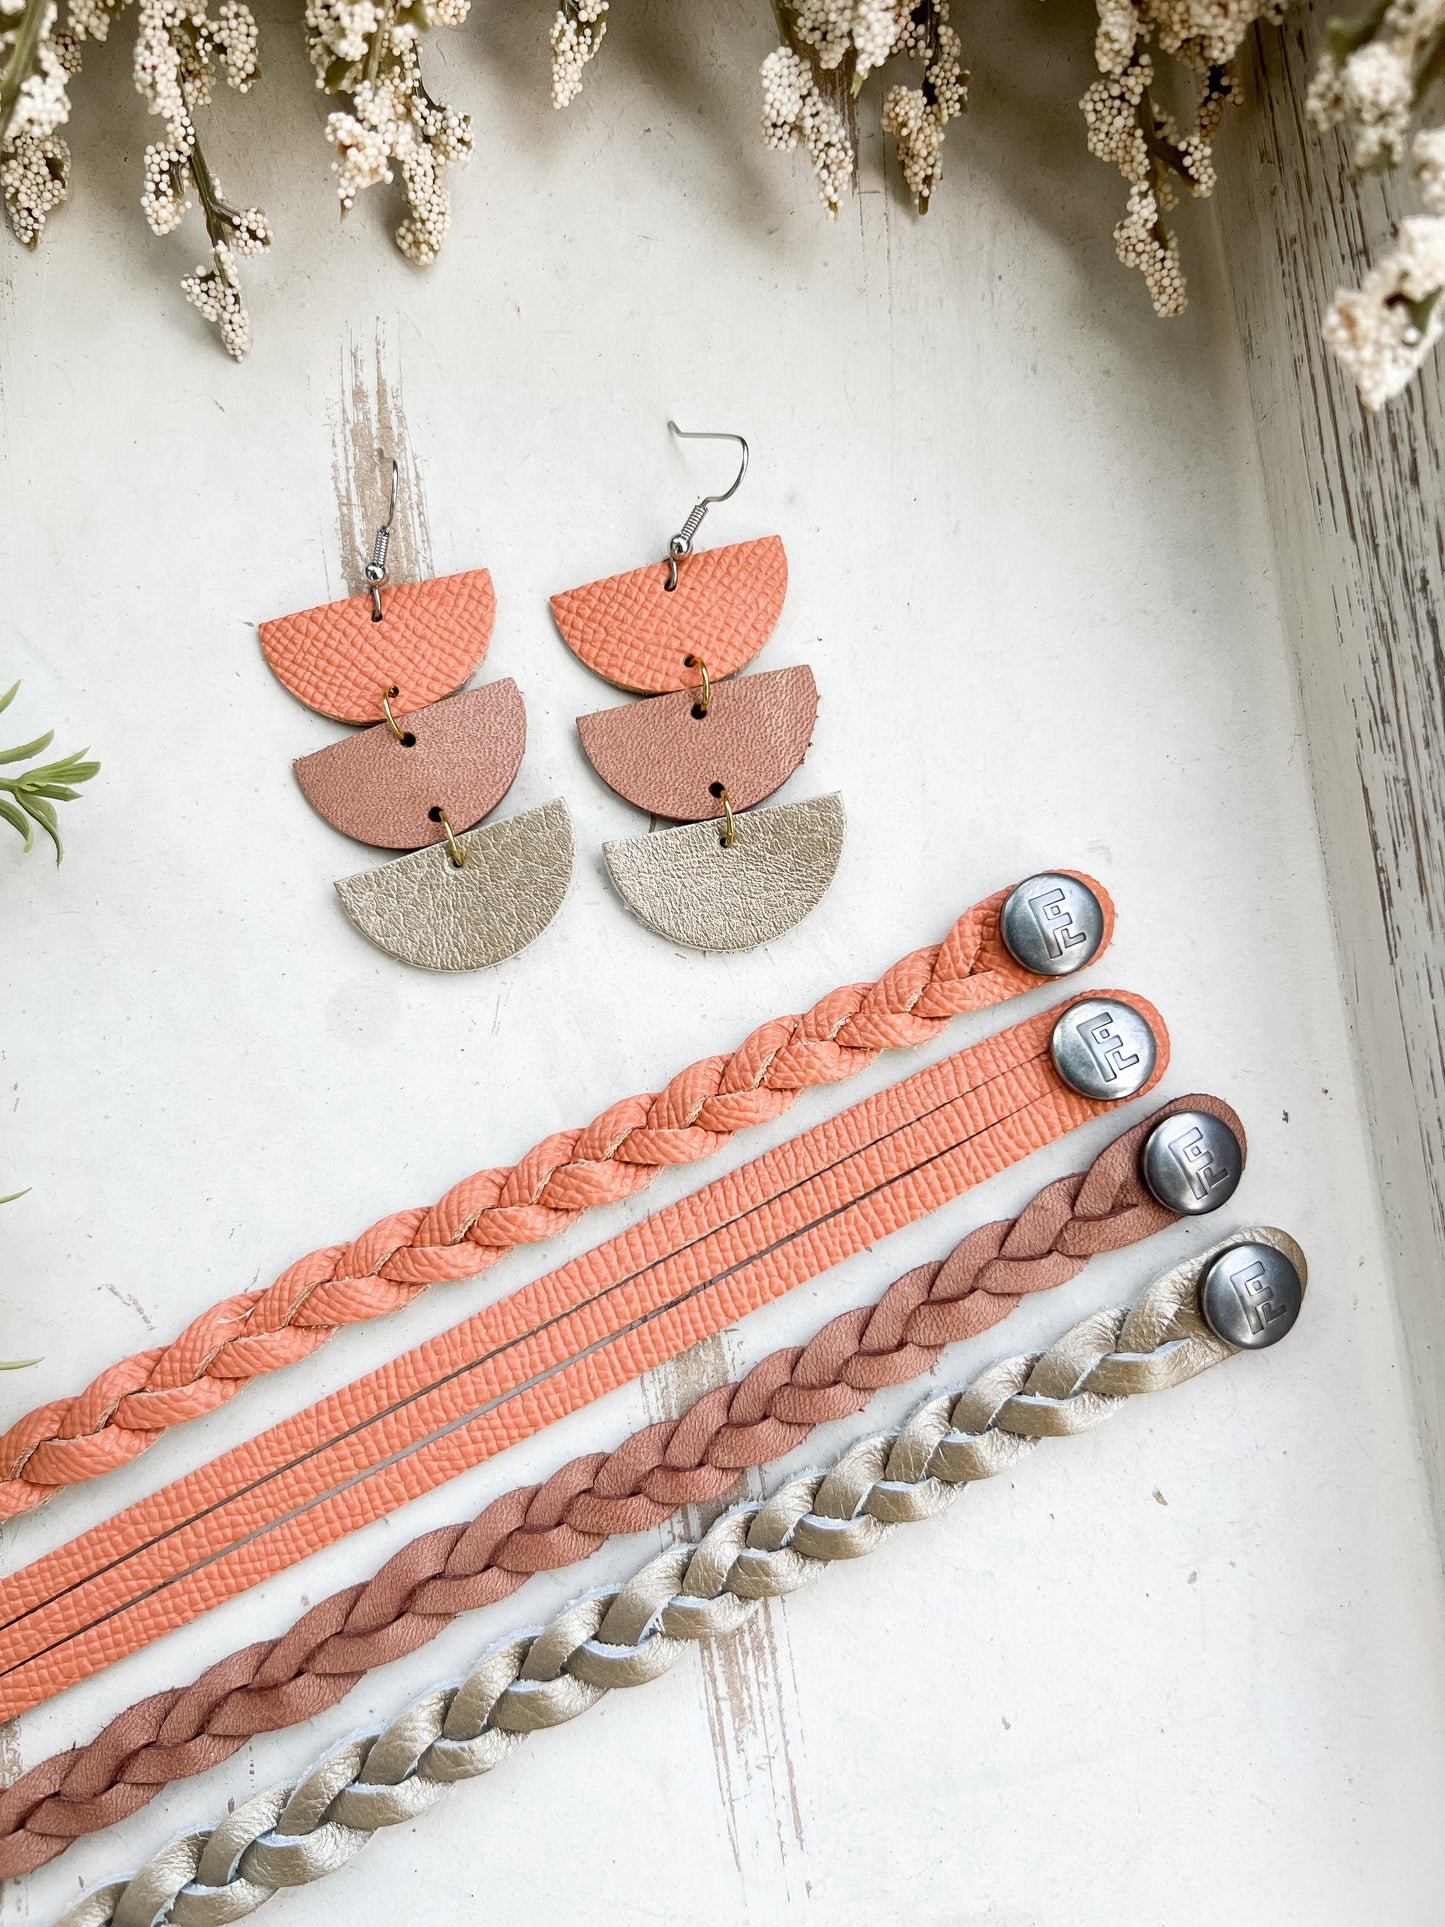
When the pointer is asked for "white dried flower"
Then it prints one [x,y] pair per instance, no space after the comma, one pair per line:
[1382,331]
[42,104]
[216,294]
[1377,93]
[1428,166]
[919,139]
[576,35]
[794,110]
[1141,242]
[164,198]
[35,180]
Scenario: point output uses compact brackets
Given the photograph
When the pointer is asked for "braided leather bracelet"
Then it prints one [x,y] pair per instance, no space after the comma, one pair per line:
[290,1836]
[130,1404]
[420,1590]
[559,1343]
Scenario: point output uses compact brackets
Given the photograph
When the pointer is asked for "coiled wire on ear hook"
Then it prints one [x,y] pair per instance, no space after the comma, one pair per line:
[681,543]
[376,568]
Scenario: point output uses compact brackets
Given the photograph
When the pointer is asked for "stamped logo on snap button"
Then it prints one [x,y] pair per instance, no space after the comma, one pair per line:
[1103,1049]
[1251,1296]
[1192,1163]
[1052,924]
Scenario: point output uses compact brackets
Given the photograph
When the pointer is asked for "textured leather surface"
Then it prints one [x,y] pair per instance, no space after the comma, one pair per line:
[126,1407]
[692,1460]
[664,758]
[553,1346]
[637,633]
[611,1638]
[431,637]
[425,910]
[688,885]
[466,755]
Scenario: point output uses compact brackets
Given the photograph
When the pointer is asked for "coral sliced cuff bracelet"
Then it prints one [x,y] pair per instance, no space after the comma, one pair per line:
[575,1334]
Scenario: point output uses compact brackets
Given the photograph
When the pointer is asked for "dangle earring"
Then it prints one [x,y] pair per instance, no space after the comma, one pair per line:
[431,765]
[704,749]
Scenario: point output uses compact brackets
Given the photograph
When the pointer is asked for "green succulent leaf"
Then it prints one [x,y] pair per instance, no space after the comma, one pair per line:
[16,821]
[19,754]
[31,796]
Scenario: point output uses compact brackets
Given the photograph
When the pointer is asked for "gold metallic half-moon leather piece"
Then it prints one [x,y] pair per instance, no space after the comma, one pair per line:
[686,885]
[426,911]
[638,633]
[463,758]
[665,758]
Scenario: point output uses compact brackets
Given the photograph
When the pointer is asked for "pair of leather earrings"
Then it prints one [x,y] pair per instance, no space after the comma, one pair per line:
[703,749]
[434,759]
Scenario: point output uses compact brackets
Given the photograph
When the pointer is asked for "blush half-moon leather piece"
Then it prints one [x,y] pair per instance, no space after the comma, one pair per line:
[463,756]
[688,885]
[550,1348]
[666,758]
[426,910]
[431,637]
[638,633]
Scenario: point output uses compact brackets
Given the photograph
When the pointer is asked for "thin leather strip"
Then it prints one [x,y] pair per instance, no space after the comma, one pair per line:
[129,1405]
[614,1638]
[522,1363]
[691,1460]
[431,637]
[638,633]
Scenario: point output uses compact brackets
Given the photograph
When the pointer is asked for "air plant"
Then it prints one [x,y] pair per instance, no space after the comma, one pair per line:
[31,797]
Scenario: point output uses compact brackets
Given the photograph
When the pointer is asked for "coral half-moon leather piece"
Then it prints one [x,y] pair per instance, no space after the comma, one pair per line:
[688,885]
[638,633]
[525,1361]
[431,637]
[460,755]
[426,910]
[664,757]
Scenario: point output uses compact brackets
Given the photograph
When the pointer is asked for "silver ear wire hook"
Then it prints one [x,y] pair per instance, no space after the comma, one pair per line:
[376,567]
[681,543]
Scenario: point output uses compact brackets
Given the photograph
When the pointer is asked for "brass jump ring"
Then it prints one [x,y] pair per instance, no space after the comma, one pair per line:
[454,849]
[392,724]
[705,699]
[729,821]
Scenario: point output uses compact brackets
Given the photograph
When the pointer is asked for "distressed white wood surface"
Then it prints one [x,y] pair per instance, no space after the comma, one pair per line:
[1355,508]
[1187,1670]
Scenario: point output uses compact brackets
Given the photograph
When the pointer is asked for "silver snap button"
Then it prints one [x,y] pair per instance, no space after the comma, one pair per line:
[1192,1162]
[1250,1297]
[1052,925]
[1103,1049]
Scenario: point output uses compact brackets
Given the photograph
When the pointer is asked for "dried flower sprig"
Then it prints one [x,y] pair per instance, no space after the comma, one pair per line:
[851,39]
[1372,79]
[30,797]
[1125,124]
[178,49]
[576,35]
[368,50]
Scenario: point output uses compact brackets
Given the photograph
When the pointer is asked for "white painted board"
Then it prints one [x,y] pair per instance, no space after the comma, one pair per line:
[1186,1670]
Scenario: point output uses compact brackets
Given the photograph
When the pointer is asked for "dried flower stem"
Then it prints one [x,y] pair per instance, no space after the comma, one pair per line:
[21,63]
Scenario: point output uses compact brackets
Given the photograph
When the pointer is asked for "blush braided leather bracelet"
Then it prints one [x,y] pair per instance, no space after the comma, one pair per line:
[616,1637]
[130,1404]
[557,1344]
[420,1590]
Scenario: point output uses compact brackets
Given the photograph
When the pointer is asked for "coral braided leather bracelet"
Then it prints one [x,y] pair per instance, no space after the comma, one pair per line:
[575,1334]
[1048,926]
